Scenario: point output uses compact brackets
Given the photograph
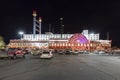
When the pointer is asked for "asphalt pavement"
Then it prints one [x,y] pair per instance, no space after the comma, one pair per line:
[62,67]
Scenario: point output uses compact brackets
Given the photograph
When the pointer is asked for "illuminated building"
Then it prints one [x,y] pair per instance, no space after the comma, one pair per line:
[83,41]
[79,41]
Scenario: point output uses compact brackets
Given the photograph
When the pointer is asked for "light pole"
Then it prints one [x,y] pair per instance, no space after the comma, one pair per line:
[21,33]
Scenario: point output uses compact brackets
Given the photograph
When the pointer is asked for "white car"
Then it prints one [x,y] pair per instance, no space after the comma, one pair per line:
[46,54]
[76,52]
[102,52]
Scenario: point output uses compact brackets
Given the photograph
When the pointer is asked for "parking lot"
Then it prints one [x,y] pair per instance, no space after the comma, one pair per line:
[65,67]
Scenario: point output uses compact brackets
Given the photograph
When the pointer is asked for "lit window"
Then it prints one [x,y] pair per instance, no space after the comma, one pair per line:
[66,44]
[84,44]
[72,45]
[69,44]
[78,44]
[63,44]
[81,44]
[60,44]
[87,44]
[57,44]
[90,44]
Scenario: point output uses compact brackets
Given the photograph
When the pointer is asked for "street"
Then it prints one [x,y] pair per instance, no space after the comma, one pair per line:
[62,67]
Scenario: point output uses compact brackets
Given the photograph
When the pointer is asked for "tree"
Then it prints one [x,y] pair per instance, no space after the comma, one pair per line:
[2,43]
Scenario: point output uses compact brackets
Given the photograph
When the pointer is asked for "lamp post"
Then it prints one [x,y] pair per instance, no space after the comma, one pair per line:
[21,33]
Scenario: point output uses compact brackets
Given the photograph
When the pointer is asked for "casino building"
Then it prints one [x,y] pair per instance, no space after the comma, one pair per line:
[77,41]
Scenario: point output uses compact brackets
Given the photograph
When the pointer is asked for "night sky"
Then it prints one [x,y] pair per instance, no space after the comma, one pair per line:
[97,16]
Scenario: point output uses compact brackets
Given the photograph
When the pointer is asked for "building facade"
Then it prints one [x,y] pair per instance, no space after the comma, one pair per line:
[79,41]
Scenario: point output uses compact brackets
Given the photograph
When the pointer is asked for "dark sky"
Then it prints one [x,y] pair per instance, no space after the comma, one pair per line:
[97,16]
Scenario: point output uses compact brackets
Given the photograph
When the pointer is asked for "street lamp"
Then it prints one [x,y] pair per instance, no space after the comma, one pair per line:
[21,33]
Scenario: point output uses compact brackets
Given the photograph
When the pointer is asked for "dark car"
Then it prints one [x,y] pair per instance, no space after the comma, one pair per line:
[67,52]
[61,52]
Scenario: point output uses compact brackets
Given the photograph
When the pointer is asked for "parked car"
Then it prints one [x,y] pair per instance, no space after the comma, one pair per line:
[26,51]
[86,52]
[46,55]
[61,52]
[81,52]
[14,53]
[67,52]
[100,52]
[3,54]
[76,52]
[36,52]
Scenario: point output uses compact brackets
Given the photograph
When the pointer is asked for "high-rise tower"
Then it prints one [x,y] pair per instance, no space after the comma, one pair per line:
[62,26]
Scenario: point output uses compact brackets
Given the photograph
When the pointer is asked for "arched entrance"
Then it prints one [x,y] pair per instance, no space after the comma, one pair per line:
[79,42]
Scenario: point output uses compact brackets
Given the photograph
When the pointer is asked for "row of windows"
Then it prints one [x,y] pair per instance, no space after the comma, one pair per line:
[46,37]
[94,39]
[18,42]
[65,44]
[27,44]
[55,44]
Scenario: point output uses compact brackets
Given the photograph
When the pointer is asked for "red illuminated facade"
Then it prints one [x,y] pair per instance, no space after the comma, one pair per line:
[75,42]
